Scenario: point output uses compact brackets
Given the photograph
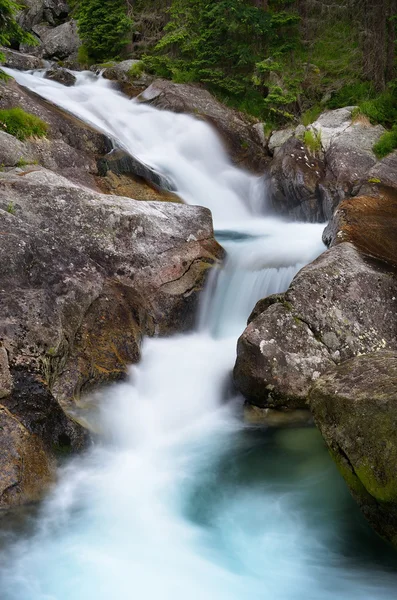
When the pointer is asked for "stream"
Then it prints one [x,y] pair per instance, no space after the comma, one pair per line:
[180,499]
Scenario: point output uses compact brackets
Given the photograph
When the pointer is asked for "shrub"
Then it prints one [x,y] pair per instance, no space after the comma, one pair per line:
[104,27]
[311,115]
[21,124]
[387,143]
[382,109]
[312,140]
[136,70]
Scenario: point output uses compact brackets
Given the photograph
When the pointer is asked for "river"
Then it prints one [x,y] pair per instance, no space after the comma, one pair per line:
[179,498]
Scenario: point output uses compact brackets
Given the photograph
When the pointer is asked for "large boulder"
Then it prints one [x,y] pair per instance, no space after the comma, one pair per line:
[88,275]
[315,168]
[340,306]
[19,60]
[242,140]
[355,407]
[55,42]
[60,75]
[34,12]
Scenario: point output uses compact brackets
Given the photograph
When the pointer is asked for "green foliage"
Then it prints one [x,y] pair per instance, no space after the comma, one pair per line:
[224,44]
[83,57]
[382,109]
[311,115]
[136,70]
[312,141]
[9,29]
[104,27]
[387,143]
[352,94]
[10,208]
[21,124]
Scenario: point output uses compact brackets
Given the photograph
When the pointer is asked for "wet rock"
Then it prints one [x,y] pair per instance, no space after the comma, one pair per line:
[269,417]
[120,162]
[79,298]
[295,340]
[242,141]
[355,407]
[131,186]
[20,61]
[370,223]
[295,180]
[26,470]
[32,403]
[61,76]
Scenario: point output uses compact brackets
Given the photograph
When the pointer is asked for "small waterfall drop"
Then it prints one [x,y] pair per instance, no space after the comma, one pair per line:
[179,500]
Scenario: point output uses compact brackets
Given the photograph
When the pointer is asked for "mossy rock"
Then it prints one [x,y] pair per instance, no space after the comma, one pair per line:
[355,407]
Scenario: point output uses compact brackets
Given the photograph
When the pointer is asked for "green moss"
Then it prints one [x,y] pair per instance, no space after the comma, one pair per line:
[373,180]
[312,141]
[10,208]
[23,163]
[21,124]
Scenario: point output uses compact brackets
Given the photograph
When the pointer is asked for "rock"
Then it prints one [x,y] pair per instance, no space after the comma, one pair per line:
[55,42]
[26,470]
[130,84]
[71,147]
[33,404]
[135,187]
[12,151]
[269,417]
[61,76]
[78,299]
[62,41]
[5,375]
[34,12]
[370,223]
[119,162]
[385,171]
[242,141]
[331,124]
[307,183]
[278,139]
[20,61]
[295,183]
[350,156]
[355,407]
[296,339]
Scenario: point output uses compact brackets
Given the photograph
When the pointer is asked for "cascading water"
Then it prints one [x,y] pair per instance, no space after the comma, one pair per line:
[180,500]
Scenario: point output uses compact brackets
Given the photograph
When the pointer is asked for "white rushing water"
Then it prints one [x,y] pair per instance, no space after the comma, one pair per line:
[179,500]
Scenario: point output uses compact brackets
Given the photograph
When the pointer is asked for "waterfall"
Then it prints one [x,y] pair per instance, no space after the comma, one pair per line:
[179,499]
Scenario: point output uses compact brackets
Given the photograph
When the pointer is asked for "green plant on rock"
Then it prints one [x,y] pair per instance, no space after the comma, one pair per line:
[21,124]
[312,141]
[10,208]
[387,143]
[136,70]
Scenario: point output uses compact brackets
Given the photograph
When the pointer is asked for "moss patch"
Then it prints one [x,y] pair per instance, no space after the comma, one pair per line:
[21,124]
